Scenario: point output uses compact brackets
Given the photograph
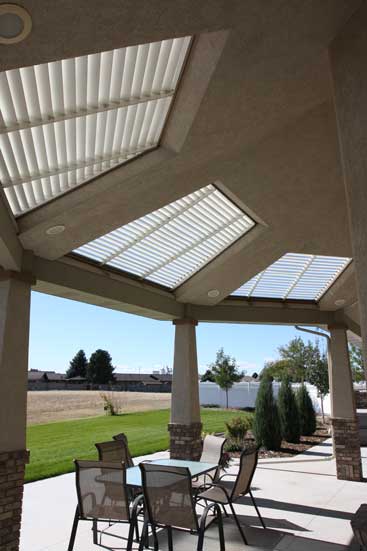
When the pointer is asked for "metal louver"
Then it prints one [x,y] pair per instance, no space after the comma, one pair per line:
[170,244]
[64,122]
[295,276]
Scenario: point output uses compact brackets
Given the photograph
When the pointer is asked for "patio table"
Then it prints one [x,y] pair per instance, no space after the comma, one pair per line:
[196,468]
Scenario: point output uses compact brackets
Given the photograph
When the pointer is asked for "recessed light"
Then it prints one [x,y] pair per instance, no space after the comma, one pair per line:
[340,302]
[15,23]
[213,293]
[55,230]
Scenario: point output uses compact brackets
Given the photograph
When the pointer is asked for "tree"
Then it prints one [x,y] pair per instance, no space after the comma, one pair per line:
[266,426]
[299,356]
[225,371]
[318,375]
[307,416]
[207,377]
[357,363]
[276,369]
[288,412]
[78,365]
[100,368]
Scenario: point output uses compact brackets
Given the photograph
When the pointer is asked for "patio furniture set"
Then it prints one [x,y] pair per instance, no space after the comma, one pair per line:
[163,494]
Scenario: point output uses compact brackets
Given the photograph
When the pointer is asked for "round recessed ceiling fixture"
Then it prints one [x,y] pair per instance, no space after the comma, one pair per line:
[213,293]
[15,23]
[340,302]
[55,230]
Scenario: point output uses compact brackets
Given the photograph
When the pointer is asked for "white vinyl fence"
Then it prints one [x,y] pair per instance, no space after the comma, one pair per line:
[243,395]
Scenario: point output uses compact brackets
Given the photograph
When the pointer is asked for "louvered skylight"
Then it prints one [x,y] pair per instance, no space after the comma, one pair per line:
[295,276]
[64,122]
[172,243]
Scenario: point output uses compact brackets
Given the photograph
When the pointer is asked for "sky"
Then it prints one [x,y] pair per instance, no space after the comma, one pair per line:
[61,327]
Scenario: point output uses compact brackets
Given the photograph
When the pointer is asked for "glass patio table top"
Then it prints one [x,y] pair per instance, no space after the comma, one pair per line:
[196,468]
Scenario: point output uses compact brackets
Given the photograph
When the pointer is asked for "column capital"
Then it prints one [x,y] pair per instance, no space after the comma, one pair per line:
[26,277]
[184,321]
[337,325]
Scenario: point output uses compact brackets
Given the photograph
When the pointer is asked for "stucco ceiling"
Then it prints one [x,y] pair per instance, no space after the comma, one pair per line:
[254,112]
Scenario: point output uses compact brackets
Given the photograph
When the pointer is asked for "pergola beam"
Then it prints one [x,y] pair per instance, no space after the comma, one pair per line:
[256,312]
[79,281]
[11,250]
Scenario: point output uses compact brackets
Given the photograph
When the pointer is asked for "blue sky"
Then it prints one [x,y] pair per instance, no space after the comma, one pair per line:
[60,327]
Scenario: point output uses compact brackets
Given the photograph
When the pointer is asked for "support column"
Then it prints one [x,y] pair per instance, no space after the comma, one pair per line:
[348,54]
[185,426]
[14,334]
[343,411]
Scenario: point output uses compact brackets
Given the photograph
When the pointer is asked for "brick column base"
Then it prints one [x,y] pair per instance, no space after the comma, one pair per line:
[12,466]
[347,449]
[185,441]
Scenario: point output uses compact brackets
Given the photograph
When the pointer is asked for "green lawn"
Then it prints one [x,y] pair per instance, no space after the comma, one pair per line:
[54,446]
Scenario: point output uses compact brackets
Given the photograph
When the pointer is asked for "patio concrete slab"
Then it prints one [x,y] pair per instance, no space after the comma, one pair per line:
[303,504]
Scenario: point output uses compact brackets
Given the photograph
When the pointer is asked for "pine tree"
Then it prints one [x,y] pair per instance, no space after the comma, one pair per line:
[266,427]
[307,415]
[78,365]
[288,412]
[100,368]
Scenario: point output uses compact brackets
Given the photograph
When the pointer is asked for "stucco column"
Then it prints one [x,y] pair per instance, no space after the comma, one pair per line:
[14,334]
[185,426]
[348,54]
[343,411]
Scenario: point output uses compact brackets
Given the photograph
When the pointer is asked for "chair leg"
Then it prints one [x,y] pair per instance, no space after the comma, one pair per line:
[74,529]
[155,539]
[95,532]
[144,534]
[136,524]
[202,527]
[220,528]
[238,524]
[130,537]
[169,537]
[257,510]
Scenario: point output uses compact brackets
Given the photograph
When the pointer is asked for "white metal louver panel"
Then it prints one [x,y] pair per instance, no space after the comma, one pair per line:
[295,276]
[64,122]
[169,245]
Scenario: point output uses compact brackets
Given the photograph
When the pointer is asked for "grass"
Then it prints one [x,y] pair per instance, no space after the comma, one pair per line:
[54,446]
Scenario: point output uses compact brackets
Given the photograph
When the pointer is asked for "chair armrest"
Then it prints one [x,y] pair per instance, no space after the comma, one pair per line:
[228,474]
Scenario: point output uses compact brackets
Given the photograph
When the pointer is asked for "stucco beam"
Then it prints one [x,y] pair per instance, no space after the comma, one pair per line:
[258,313]
[11,251]
[75,281]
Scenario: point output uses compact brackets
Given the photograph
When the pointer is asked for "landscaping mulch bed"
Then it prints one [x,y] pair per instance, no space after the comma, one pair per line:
[288,449]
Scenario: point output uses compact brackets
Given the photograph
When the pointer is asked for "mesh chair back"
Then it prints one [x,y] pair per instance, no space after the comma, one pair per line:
[212,449]
[168,496]
[101,489]
[248,462]
[114,451]
[129,460]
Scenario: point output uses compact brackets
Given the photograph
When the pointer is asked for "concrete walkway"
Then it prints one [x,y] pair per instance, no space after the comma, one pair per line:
[304,506]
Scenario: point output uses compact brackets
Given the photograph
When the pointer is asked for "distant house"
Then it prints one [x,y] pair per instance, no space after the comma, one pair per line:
[132,382]
[143,382]
[45,380]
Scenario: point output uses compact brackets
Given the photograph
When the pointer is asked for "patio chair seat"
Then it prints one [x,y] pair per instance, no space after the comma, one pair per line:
[217,494]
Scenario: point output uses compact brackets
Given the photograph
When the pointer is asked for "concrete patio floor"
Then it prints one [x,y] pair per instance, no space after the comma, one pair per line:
[303,504]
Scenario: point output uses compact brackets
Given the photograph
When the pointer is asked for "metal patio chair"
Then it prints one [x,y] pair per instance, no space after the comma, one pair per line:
[103,496]
[123,438]
[213,447]
[115,451]
[225,492]
[169,504]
